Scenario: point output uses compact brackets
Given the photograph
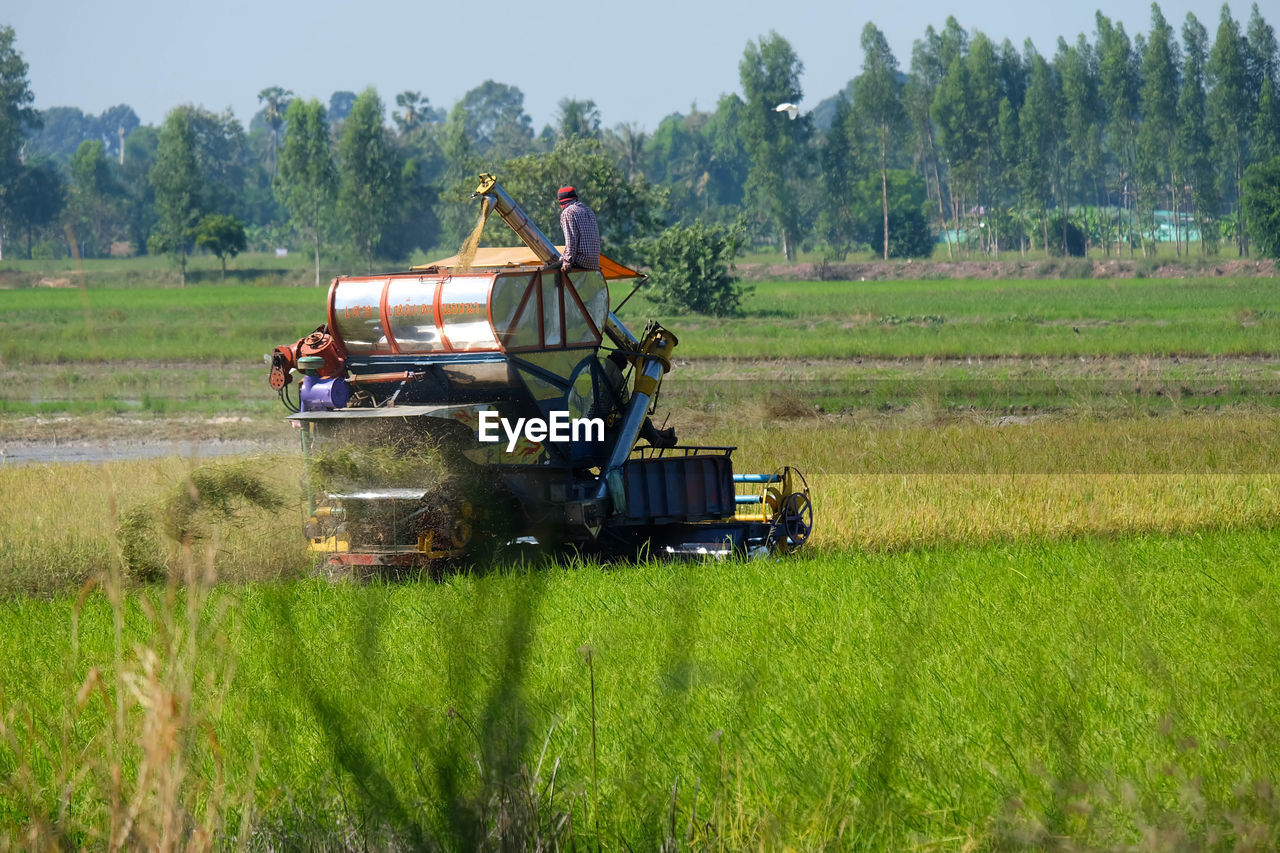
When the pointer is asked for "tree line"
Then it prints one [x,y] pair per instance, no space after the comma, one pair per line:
[1111,143]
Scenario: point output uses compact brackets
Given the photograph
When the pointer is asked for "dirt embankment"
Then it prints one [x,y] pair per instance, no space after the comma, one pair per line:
[1009,269]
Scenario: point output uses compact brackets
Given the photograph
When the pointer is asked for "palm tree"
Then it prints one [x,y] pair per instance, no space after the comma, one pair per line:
[578,119]
[277,101]
[415,110]
[628,141]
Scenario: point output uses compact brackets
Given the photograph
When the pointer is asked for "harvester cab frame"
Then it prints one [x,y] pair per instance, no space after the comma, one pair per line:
[400,392]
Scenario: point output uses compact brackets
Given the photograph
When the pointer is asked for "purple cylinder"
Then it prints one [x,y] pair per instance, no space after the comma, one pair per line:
[320,395]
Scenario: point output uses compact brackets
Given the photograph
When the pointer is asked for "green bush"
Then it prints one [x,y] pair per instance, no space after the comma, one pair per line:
[690,268]
[1260,196]
[910,235]
[1074,243]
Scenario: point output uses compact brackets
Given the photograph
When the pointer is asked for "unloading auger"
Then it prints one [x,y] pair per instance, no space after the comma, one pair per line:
[479,402]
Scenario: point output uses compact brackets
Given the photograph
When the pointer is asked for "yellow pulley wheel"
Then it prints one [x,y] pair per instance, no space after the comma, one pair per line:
[460,533]
[790,511]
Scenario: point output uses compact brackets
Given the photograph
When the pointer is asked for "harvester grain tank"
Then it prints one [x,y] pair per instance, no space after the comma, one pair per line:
[412,371]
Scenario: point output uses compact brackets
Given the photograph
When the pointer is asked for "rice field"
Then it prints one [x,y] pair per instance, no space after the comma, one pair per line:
[1038,611]
[885,319]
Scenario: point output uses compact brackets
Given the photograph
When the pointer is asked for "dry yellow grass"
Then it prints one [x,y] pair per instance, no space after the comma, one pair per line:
[910,480]
[923,478]
[891,511]
[58,522]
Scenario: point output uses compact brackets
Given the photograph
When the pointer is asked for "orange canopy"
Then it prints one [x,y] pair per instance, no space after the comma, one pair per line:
[522,256]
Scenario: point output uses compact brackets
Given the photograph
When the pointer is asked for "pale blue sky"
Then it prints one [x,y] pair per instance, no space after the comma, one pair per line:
[638,61]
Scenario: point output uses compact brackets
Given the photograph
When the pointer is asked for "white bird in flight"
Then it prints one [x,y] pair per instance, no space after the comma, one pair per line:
[789,108]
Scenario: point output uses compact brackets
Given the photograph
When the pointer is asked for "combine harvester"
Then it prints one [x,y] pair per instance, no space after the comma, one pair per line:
[463,406]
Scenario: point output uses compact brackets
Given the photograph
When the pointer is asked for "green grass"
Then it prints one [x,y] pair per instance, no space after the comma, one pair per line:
[198,350]
[941,319]
[1090,692]
[916,319]
[139,388]
[158,271]
[233,322]
[1002,386]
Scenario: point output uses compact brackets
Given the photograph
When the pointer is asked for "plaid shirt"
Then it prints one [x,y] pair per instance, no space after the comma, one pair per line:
[581,236]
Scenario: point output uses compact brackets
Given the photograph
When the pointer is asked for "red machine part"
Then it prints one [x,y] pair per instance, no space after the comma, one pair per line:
[319,343]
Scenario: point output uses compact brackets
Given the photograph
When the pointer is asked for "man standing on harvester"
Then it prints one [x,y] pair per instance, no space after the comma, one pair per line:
[581,233]
[582,251]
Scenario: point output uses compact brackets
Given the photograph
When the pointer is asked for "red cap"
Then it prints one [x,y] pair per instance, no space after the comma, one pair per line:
[566,195]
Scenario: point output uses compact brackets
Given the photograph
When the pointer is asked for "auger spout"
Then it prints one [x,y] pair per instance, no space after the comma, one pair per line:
[517,219]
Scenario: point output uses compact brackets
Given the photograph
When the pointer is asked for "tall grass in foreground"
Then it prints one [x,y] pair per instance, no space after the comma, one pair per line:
[130,759]
[1083,694]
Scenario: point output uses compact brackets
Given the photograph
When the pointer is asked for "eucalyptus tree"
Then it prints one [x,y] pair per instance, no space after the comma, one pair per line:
[369,177]
[1264,81]
[931,61]
[139,195]
[1157,135]
[917,98]
[487,125]
[462,163]
[877,93]
[966,110]
[307,182]
[1077,70]
[838,222]
[1008,185]
[17,116]
[179,188]
[95,197]
[369,168]
[953,43]
[221,155]
[1040,132]
[985,89]
[770,75]
[1265,133]
[729,164]
[1263,56]
[1118,90]
[1014,72]
[1191,155]
[1230,114]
